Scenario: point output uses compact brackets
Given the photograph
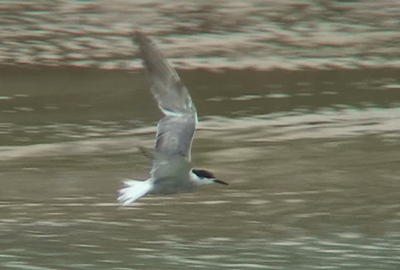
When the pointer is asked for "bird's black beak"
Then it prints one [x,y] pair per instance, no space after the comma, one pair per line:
[220,182]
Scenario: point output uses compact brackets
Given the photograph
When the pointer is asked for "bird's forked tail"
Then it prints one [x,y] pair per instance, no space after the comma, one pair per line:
[133,190]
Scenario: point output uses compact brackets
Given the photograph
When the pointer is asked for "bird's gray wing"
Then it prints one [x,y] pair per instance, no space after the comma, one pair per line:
[176,129]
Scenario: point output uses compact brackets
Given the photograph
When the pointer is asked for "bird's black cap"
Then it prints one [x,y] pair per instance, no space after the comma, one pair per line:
[207,174]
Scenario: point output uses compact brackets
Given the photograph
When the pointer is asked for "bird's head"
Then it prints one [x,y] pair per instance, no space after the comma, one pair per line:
[205,177]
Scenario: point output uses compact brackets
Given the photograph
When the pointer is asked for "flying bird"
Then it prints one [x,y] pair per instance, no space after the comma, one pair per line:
[172,170]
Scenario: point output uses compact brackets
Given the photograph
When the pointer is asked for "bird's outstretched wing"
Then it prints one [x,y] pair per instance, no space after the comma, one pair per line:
[176,129]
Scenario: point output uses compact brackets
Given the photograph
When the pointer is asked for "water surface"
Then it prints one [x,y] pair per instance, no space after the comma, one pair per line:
[298,106]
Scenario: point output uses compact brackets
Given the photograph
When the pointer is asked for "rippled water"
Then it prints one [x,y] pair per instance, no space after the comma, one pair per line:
[311,149]
[208,34]
[313,167]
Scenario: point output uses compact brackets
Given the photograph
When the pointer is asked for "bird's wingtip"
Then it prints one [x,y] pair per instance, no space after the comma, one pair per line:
[139,37]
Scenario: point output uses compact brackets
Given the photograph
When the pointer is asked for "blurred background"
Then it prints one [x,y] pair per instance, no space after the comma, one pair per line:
[299,107]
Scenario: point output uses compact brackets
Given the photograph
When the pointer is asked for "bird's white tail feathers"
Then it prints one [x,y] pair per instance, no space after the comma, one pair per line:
[133,190]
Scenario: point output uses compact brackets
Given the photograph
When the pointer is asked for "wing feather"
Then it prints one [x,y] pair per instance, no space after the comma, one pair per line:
[176,129]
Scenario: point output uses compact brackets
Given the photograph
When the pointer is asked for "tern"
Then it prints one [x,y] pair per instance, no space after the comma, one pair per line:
[172,170]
